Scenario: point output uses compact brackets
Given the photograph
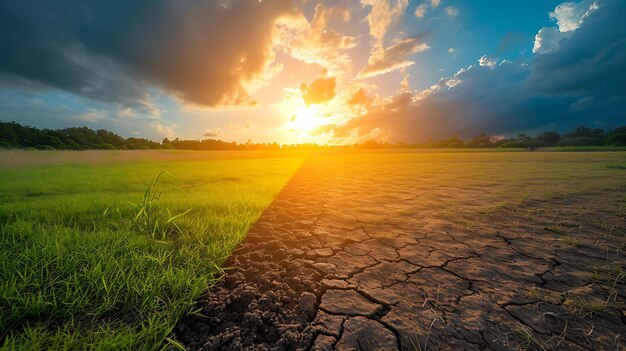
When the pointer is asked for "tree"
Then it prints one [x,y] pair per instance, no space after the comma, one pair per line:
[579,132]
[481,141]
[453,142]
[617,137]
[582,131]
[547,139]
[370,144]
[583,136]
[110,138]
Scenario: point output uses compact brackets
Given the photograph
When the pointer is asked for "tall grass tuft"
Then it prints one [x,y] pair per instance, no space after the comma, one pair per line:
[150,217]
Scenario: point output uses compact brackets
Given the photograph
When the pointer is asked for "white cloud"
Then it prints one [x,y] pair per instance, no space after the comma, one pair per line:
[317,42]
[548,39]
[382,15]
[451,11]
[162,128]
[394,57]
[126,112]
[487,61]
[569,15]
[420,10]
[405,86]
[450,50]
[435,3]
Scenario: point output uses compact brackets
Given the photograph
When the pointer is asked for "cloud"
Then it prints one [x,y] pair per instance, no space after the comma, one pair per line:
[569,16]
[317,42]
[394,57]
[579,82]
[319,91]
[420,10]
[548,39]
[487,61]
[203,52]
[435,3]
[359,98]
[451,11]
[383,14]
[126,113]
[94,116]
[162,128]
[212,133]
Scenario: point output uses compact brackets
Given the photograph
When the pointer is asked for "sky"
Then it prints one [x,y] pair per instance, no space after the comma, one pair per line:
[330,72]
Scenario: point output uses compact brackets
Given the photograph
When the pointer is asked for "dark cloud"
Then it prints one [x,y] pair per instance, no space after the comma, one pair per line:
[212,133]
[203,52]
[319,91]
[592,62]
[578,82]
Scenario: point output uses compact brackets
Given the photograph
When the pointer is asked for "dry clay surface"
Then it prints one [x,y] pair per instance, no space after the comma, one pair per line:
[428,251]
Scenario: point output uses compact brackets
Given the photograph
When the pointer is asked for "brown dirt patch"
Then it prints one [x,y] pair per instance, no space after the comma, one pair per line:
[418,251]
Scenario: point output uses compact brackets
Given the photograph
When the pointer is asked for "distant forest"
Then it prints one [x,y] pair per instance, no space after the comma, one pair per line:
[15,136]
[581,136]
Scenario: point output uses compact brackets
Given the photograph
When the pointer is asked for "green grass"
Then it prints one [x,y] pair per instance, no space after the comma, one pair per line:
[616,166]
[76,272]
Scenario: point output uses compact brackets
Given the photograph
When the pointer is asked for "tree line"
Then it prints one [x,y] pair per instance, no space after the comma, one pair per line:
[15,136]
[581,136]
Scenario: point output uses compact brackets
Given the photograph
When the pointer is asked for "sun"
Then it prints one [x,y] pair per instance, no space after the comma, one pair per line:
[301,119]
[305,119]
[303,123]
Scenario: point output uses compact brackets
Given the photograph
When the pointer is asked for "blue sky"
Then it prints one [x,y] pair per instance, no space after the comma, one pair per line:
[303,71]
[503,29]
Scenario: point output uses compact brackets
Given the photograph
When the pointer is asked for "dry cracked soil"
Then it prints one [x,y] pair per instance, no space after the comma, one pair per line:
[427,252]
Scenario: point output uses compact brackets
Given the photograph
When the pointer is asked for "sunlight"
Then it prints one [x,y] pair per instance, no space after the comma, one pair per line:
[309,124]
[305,119]
[302,121]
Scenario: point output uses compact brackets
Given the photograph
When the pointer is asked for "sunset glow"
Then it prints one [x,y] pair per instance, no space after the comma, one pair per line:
[330,72]
[305,119]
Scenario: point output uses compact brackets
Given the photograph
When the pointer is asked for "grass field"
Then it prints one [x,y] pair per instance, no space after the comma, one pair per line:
[80,270]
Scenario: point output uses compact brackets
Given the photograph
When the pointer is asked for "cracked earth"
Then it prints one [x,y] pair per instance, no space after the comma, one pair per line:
[417,252]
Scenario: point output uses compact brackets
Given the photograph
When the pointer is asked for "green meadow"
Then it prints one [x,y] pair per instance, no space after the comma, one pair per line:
[99,255]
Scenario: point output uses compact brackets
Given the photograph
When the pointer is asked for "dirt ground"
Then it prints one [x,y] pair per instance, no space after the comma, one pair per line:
[419,251]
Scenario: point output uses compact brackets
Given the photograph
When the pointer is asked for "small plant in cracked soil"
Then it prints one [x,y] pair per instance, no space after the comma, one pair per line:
[527,338]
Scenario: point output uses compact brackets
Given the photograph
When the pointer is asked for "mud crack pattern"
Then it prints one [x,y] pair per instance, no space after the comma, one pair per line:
[409,252]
